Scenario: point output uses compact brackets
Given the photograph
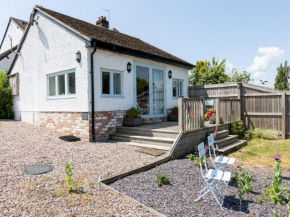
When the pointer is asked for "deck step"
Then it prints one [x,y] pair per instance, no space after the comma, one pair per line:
[159,147]
[221,134]
[234,146]
[220,143]
[146,132]
[160,141]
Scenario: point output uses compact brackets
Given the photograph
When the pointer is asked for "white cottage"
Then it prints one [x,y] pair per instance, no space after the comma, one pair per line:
[12,36]
[69,71]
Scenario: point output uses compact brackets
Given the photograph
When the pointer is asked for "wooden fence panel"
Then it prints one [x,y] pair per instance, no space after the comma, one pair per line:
[193,114]
[229,110]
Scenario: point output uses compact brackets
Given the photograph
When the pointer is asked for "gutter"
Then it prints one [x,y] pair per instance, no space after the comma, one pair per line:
[93,91]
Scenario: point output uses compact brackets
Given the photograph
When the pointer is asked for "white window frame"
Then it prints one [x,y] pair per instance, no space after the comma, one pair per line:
[65,73]
[112,72]
[179,88]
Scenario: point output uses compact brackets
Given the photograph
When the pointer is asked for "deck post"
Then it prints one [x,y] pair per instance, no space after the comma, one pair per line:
[218,111]
[180,113]
[283,118]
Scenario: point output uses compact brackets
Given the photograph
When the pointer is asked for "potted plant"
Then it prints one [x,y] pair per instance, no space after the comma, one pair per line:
[173,116]
[132,118]
[210,115]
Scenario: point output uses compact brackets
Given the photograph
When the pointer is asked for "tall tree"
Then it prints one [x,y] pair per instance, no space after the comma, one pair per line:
[236,76]
[207,72]
[281,80]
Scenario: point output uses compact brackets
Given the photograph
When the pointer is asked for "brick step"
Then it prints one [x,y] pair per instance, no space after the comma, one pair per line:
[220,143]
[146,132]
[158,147]
[232,147]
[160,141]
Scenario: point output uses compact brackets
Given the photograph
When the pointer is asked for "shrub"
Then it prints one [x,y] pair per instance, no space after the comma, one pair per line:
[190,156]
[6,110]
[244,181]
[132,113]
[265,134]
[237,128]
[248,135]
[174,110]
[162,180]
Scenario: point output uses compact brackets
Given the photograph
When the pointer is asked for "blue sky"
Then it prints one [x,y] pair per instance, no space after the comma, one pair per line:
[251,35]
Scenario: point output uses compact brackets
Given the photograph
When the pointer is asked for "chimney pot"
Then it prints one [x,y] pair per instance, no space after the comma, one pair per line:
[102,22]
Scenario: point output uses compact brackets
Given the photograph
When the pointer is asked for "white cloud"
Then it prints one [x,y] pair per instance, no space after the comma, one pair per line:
[229,67]
[271,58]
[258,74]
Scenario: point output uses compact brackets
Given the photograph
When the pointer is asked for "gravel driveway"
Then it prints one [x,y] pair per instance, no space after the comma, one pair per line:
[23,145]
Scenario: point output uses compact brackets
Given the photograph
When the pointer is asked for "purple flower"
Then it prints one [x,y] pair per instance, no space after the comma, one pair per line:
[277,157]
[240,150]
[238,166]
[215,132]
[206,149]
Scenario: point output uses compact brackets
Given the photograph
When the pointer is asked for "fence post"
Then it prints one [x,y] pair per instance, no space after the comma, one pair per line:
[283,120]
[202,112]
[218,111]
[180,113]
[240,101]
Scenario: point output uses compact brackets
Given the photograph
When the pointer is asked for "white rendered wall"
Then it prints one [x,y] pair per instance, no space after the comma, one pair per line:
[49,48]
[15,33]
[118,62]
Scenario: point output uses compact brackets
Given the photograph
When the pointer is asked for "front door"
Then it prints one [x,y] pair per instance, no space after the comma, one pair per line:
[150,90]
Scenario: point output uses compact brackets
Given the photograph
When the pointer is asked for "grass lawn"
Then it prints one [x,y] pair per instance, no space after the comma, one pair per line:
[260,152]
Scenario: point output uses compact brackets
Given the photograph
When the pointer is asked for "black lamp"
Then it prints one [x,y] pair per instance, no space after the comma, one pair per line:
[170,74]
[129,67]
[78,56]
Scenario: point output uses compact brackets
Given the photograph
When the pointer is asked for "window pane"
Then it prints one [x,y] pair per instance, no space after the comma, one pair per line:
[71,83]
[51,81]
[158,92]
[174,86]
[180,88]
[106,82]
[142,85]
[117,83]
[61,85]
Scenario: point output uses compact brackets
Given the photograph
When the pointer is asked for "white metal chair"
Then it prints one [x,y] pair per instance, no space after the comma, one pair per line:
[222,161]
[212,177]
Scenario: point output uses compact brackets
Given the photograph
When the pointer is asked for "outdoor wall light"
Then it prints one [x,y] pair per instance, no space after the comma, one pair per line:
[129,67]
[170,74]
[78,56]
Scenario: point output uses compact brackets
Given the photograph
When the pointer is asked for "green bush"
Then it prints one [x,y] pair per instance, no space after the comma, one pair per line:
[265,134]
[237,128]
[174,110]
[132,113]
[6,110]
[162,180]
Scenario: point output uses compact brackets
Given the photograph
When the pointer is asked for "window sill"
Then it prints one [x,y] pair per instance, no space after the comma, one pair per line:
[61,97]
[112,96]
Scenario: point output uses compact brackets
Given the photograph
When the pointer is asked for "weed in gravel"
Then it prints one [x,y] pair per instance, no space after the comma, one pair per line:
[244,181]
[72,187]
[190,156]
[276,213]
[162,180]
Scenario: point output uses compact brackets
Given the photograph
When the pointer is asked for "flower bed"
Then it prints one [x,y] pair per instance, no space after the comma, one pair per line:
[177,198]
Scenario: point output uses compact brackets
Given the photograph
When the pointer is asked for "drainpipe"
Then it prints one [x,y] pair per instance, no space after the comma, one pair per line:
[93,90]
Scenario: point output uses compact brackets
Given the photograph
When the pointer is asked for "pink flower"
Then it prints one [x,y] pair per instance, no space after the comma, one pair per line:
[206,149]
[140,102]
[215,132]
[238,166]
[277,157]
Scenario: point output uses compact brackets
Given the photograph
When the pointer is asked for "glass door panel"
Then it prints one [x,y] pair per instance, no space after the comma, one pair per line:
[142,86]
[158,91]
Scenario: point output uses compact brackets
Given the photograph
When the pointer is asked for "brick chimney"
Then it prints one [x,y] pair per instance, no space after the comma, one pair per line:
[102,22]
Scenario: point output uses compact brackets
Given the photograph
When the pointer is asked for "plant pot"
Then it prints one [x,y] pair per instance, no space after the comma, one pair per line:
[212,121]
[172,117]
[132,122]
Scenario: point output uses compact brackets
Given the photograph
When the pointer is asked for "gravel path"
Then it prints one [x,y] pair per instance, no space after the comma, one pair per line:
[178,198]
[23,145]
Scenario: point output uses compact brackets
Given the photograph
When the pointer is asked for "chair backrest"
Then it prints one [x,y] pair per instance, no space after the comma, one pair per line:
[202,156]
[210,140]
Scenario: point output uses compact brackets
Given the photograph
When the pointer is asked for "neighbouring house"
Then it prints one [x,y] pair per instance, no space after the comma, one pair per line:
[80,78]
[11,38]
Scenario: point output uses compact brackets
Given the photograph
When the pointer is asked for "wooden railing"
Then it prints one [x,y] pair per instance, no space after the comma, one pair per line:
[191,115]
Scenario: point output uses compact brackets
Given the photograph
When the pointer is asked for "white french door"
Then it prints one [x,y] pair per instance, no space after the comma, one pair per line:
[149,90]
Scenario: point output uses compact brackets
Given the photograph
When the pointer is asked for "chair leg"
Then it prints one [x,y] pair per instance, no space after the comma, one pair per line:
[217,200]
[201,196]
